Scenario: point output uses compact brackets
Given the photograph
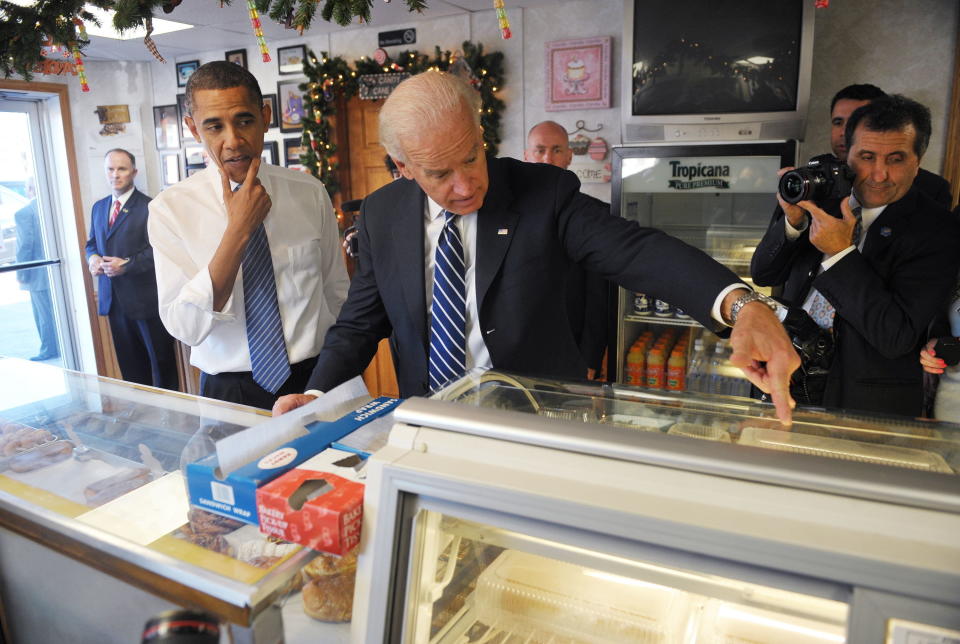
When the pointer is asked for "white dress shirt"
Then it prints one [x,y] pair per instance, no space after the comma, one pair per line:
[867,217]
[122,199]
[186,224]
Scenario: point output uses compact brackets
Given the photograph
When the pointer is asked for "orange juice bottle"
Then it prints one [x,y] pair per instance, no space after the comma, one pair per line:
[655,368]
[676,370]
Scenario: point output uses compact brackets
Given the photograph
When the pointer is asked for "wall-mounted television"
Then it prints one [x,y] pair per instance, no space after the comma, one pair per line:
[716,70]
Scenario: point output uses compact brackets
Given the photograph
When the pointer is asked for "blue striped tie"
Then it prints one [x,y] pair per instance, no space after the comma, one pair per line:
[448,353]
[268,352]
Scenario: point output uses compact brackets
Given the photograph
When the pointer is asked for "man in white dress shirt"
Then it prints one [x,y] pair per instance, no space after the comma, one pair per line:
[207,228]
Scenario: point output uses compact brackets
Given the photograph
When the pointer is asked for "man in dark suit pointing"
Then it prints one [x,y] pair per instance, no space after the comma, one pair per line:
[120,256]
[462,261]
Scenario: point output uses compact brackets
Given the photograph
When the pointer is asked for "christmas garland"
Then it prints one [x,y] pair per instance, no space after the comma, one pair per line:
[327,77]
[26,31]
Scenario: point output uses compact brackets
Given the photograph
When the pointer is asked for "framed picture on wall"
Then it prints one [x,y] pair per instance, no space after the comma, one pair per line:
[185,133]
[290,59]
[185,71]
[269,153]
[194,155]
[290,104]
[166,127]
[271,99]
[292,149]
[578,74]
[238,56]
[170,167]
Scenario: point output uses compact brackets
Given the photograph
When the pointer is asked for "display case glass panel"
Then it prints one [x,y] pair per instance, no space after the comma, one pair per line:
[477,583]
[882,441]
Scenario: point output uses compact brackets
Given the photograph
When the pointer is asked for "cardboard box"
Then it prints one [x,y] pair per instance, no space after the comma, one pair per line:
[318,504]
[235,495]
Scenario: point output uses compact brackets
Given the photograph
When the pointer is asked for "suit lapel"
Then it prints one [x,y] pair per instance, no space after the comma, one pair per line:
[124,211]
[496,225]
[884,230]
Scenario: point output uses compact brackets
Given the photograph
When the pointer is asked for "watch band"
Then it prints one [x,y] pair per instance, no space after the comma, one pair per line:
[752,296]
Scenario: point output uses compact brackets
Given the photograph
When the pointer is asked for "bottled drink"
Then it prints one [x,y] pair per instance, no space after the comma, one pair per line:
[656,372]
[635,372]
[717,381]
[697,365]
[676,370]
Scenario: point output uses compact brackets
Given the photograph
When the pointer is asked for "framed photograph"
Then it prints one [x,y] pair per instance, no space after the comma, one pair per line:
[166,126]
[578,74]
[170,167]
[185,133]
[292,148]
[270,153]
[290,104]
[238,56]
[194,155]
[290,59]
[271,99]
[185,71]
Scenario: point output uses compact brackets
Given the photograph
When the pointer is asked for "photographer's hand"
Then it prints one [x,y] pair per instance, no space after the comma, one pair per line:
[829,234]
[796,216]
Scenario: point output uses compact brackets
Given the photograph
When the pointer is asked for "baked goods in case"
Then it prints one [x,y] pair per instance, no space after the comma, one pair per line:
[126,480]
[328,591]
[41,456]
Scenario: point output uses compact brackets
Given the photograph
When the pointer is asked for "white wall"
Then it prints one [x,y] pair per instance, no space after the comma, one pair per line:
[903,47]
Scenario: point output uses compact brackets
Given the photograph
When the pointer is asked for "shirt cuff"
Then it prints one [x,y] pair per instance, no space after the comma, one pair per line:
[313,392]
[793,233]
[199,292]
[827,263]
[718,303]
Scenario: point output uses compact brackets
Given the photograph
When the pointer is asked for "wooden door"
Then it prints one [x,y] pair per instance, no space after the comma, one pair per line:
[367,173]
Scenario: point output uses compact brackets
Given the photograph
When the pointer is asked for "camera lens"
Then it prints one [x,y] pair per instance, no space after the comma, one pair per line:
[794,187]
[181,627]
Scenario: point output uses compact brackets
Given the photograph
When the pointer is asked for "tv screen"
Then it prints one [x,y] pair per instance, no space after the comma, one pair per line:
[715,56]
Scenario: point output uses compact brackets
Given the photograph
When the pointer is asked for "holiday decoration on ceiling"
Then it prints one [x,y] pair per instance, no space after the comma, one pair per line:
[24,29]
[502,20]
[332,79]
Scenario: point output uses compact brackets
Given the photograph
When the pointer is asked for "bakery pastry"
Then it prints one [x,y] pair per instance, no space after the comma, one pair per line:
[328,591]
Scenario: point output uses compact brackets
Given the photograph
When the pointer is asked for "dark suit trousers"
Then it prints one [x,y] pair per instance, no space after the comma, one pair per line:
[145,351]
[239,387]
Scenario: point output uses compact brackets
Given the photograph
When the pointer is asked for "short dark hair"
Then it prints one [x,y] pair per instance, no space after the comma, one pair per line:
[222,74]
[889,114]
[133,160]
[861,92]
[390,165]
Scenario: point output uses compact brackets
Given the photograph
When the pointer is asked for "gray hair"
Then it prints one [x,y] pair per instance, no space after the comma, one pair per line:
[422,103]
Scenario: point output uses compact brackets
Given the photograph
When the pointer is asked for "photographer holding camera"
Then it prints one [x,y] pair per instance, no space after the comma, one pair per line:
[872,268]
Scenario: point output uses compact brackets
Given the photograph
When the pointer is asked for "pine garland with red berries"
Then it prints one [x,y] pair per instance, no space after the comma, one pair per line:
[328,76]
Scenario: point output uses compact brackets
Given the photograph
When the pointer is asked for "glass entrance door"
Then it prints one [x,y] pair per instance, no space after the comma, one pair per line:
[33,320]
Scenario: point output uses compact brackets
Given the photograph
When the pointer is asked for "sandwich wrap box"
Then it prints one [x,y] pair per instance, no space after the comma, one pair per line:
[216,483]
[318,504]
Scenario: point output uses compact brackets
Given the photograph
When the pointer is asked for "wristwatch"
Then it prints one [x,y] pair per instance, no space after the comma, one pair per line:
[752,296]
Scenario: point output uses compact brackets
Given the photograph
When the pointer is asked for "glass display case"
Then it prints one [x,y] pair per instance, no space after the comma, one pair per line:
[510,509]
[92,499]
[718,198]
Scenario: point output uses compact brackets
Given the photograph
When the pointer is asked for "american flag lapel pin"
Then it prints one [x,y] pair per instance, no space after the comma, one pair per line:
[885,231]
[503,231]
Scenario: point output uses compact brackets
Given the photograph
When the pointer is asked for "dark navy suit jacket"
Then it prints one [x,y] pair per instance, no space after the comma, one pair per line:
[136,289]
[885,298]
[533,225]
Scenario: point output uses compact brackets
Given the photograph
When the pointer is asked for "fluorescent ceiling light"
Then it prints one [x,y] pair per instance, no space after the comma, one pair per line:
[106,30]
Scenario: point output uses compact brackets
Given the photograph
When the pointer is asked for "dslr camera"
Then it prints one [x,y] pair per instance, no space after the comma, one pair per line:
[823,178]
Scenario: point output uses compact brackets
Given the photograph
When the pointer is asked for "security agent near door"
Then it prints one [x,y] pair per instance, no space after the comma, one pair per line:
[877,284]
[120,257]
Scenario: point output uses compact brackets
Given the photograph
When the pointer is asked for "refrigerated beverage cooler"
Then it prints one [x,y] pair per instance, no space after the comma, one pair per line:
[717,197]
